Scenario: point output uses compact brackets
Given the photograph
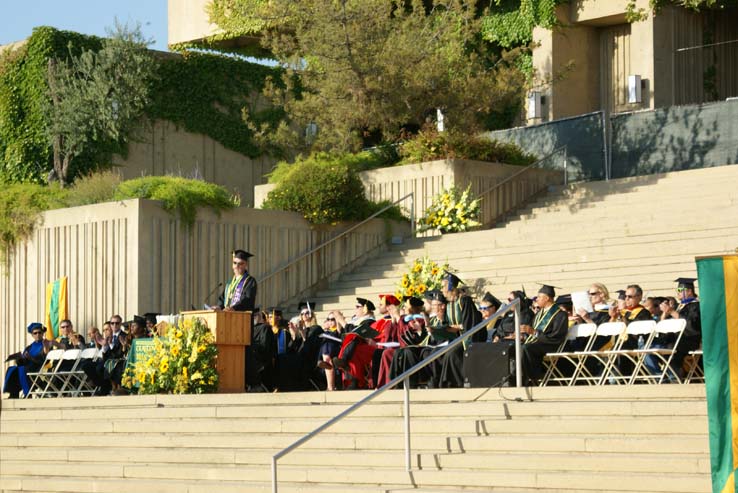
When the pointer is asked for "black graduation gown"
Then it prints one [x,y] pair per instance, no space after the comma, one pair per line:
[692,336]
[260,357]
[297,366]
[248,296]
[452,364]
[506,325]
[547,340]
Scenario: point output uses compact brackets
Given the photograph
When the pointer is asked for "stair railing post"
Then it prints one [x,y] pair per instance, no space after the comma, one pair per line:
[412,214]
[406,387]
[274,475]
[518,353]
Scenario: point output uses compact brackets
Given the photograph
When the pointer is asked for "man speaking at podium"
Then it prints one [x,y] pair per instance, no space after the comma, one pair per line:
[240,292]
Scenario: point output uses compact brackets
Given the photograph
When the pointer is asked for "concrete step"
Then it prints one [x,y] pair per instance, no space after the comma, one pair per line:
[490,423]
[468,243]
[37,484]
[628,462]
[375,477]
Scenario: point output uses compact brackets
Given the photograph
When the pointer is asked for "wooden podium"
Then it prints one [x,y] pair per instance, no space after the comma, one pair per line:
[232,332]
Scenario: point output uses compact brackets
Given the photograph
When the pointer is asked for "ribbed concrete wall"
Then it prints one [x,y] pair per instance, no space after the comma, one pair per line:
[426,180]
[132,257]
[162,148]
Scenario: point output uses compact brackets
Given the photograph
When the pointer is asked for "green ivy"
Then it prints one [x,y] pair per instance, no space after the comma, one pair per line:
[206,94]
[510,23]
[25,152]
[203,93]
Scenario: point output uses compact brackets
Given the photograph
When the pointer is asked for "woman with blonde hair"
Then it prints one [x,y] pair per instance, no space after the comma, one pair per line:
[599,296]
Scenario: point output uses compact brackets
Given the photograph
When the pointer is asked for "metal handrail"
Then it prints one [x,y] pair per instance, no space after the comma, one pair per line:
[404,378]
[532,165]
[411,195]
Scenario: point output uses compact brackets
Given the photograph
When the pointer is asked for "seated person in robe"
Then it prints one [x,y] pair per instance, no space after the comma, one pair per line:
[30,360]
[549,331]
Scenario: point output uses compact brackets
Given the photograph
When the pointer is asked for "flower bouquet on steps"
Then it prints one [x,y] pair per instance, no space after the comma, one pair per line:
[451,211]
[182,363]
[423,275]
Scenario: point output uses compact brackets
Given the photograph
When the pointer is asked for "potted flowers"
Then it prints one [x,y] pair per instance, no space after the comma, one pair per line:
[424,274]
[451,211]
[182,363]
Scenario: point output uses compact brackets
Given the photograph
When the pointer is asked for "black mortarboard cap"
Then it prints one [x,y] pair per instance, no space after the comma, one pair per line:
[564,299]
[151,317]
[492,300]
[416,302]
[139,320]
[452,279]
[438,296]
[428,295]
[33,326]
[276,310]
[548,290]
[367,303]
[242,254]
[306,304]
[686,282]
[621,294]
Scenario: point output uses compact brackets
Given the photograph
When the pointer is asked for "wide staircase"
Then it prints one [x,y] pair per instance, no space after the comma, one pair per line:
[645,230]
[549,440]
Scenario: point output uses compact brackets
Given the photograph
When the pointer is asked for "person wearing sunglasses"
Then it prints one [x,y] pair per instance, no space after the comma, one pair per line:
[633,309]
[329,349]
[30,360]
[239,294]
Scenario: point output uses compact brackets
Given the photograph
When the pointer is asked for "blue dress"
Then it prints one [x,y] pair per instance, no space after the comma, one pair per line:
[16,377]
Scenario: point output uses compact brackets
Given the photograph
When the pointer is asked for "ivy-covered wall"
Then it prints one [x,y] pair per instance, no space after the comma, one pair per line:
[202,93]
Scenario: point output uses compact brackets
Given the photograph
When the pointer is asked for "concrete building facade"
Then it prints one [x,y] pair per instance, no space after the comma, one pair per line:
[679,57]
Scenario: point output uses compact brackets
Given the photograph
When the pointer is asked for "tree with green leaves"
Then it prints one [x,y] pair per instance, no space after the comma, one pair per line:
[360,68]
[95,96]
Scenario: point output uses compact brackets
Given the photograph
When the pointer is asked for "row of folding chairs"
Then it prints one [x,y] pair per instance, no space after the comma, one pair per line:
[62,374]
[614,363]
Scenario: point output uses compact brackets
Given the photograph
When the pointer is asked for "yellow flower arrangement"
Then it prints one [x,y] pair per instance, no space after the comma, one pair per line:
[183,364]
[423,274]
[451,211]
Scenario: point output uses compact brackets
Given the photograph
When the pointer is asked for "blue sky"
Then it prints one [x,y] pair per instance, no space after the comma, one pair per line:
[85,16]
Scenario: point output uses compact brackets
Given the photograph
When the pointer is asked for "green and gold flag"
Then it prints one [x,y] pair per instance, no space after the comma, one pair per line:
[57,308]
[718,278]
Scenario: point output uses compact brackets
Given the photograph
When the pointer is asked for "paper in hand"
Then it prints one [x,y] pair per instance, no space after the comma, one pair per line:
[580,299]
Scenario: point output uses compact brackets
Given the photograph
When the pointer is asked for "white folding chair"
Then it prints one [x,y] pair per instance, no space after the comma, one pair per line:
[695,372]
[40,380]
[662,355]
[585,374]
[64,378]
[551,360]
[621,358]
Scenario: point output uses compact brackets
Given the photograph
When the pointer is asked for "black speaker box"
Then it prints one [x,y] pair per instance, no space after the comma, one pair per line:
[489,364]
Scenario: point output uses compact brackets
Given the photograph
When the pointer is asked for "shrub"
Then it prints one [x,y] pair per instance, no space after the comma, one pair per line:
[324,188]
[20,208]
[21,204]
[358,162]
[181,196]
[94,188]
[429,145]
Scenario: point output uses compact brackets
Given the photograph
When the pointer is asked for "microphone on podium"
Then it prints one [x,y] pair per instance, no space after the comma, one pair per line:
[220,284]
